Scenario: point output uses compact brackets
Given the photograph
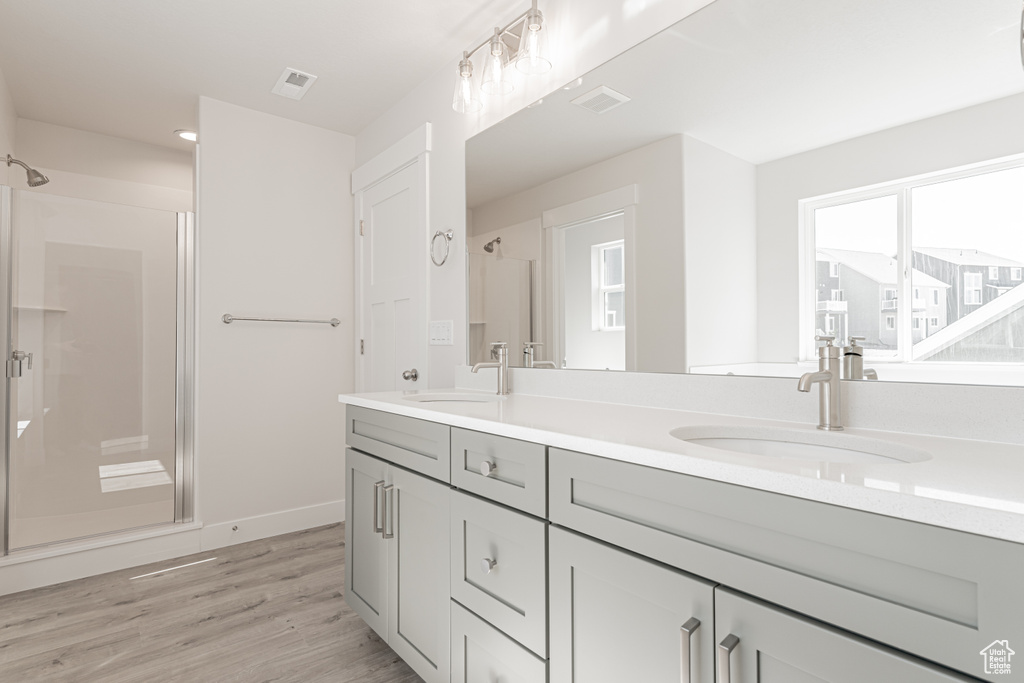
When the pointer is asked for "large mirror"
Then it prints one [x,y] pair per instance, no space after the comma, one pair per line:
[764,172]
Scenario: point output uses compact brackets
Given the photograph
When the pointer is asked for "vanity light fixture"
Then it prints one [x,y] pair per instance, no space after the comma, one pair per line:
[189,135]
[523,42]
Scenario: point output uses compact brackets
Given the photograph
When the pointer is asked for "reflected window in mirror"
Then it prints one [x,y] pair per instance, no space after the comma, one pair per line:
[609,286]
[951,245]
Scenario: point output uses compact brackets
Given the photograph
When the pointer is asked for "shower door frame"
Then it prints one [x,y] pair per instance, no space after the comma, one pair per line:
[184,496]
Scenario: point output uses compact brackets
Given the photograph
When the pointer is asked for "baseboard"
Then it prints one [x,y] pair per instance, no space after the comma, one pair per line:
[77,560]
[264,526]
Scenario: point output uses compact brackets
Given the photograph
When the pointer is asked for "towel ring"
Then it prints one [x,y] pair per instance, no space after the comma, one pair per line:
[447,235]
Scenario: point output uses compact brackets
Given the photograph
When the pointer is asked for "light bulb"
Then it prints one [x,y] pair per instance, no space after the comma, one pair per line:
[532,57]
[496,79]
[465,100]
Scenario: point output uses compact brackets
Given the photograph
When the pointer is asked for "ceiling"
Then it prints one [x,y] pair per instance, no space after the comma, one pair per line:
[765,79]
[135,68]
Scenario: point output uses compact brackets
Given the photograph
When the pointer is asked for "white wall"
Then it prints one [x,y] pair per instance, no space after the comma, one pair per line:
[585,34]
[8,124]
[720,215]
[88,165]
[986,131]
[274,238]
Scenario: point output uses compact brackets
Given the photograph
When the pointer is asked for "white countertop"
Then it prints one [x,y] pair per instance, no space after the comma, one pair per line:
[971,486]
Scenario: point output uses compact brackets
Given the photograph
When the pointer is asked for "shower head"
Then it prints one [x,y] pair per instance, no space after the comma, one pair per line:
[35,178]
[489,247]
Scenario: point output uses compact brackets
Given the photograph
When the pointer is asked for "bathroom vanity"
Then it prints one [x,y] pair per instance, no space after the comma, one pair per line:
[525,538]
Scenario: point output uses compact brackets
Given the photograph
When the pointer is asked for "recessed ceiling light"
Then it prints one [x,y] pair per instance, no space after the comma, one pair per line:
[535,104]
[572,85]
[189,135]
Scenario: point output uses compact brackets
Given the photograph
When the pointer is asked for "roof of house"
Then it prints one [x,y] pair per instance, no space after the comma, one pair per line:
[967,257]
[876,266]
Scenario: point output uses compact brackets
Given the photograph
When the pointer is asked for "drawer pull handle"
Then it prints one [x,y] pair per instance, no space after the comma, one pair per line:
[487,468]
[378,528]
[725,649]
[389,513]
[685,644]
[487,565]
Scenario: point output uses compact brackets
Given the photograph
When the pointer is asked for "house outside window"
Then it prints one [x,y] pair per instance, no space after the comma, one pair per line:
[890,322]
[833,269]
[935,297]
[972,288]
[837,295]
[993,272]
[1015,274]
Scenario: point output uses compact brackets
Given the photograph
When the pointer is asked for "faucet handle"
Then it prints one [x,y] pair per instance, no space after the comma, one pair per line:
[852,338]
[828,340]
[532,344]
[499,344]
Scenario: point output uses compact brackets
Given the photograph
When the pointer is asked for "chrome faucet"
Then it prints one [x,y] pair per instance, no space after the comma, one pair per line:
[853,361]
[528,357]
[501,349]
[829,409]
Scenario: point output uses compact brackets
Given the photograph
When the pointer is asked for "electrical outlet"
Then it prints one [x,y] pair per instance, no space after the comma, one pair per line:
[441,332]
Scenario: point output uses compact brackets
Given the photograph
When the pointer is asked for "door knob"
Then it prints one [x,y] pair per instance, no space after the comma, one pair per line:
[487,565]
[411,374]
[487,467]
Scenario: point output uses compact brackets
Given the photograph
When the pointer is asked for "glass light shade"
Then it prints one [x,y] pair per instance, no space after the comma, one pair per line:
[497,78]
[533,46]
[465,100]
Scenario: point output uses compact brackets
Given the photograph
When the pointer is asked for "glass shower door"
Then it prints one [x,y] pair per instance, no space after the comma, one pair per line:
[92,394]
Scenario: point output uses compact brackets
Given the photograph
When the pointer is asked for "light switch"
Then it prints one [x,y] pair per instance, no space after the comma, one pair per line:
[441,333]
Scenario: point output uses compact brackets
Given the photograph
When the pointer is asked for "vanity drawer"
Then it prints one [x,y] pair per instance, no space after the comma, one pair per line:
[508,471]
[481,653]
[417,445]
[940,594]
[499,567]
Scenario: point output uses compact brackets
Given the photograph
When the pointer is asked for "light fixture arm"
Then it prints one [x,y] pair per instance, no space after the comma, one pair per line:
[506,30]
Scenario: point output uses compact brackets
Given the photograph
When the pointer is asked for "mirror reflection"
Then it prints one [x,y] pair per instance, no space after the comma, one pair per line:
[758,175]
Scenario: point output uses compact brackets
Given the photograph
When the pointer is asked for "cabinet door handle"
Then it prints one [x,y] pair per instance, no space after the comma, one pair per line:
[487,468]
[377,527]
[685,638]
[487,565]
[725,649]
[389,512]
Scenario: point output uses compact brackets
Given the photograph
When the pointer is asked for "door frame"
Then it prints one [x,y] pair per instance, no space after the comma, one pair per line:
[554,223]
[413,149]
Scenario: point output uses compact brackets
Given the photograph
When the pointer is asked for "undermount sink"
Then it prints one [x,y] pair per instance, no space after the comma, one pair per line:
[771,442]
[452,397]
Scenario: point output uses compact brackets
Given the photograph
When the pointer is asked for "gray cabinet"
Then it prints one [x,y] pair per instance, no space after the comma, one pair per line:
[508,471]
[483,654]
[418,445]
[615,617]
[758,643]
[397,555]
[499,567]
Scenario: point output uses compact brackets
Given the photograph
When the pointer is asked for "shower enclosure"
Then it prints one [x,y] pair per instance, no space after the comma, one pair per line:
[95,316]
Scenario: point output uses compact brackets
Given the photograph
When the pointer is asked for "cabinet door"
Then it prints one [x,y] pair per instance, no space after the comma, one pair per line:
[366,551]
[482,653]
[761,643]
[616,617]
[418,568]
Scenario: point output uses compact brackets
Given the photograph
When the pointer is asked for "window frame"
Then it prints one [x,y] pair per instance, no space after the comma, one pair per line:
[601,290]
[902,190]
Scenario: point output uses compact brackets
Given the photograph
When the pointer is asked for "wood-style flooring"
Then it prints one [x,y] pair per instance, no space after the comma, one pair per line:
[270,610]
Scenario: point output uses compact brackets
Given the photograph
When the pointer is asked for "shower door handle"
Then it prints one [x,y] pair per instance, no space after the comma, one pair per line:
[14,364]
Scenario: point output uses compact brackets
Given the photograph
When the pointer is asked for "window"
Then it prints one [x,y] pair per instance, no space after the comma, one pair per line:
[610,286]
[972,288]
[926,239]
[837,295]
[833,269]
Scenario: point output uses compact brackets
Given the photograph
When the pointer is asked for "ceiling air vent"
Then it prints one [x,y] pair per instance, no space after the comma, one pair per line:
[293,84]
[600,99]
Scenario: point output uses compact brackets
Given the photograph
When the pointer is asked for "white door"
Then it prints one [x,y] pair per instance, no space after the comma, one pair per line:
[393,281]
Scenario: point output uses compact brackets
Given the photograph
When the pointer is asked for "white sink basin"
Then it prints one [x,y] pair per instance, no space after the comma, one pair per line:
[452,397]
[772,442]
